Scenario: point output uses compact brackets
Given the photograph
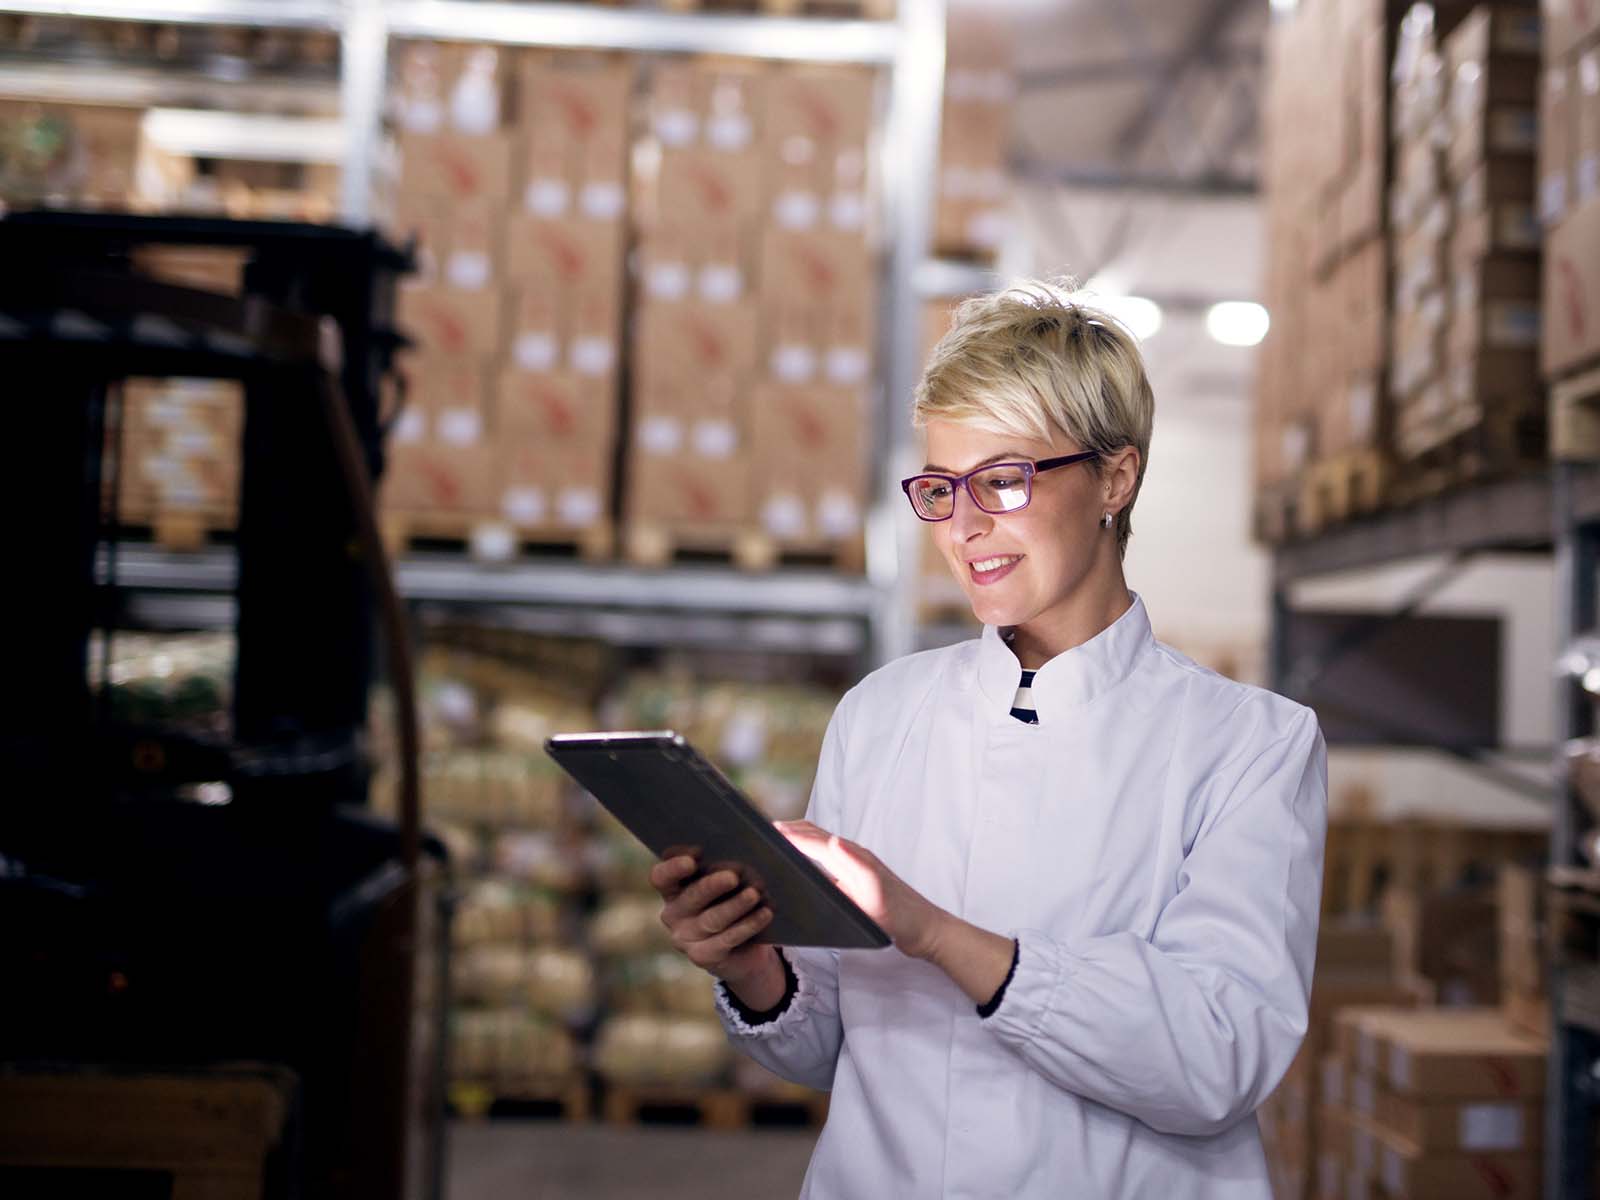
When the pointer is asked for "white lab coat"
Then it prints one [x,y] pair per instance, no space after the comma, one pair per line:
[1154,844]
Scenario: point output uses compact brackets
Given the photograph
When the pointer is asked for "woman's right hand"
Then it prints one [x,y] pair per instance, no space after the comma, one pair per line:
[712,921]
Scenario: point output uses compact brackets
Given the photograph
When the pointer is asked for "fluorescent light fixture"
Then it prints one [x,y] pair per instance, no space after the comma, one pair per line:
[1141,317]
[1237,322]
[1284,6]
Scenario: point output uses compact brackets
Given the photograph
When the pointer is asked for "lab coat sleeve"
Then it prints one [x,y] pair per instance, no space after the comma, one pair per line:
[802,1043]
[1190,1030]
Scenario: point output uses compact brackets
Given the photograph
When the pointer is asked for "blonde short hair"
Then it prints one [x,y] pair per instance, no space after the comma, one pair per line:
[1032,361]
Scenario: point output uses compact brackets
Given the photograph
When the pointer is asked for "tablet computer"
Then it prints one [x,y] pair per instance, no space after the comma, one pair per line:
[675,802]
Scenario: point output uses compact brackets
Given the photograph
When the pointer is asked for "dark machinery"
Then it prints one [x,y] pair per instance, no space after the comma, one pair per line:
[288,926]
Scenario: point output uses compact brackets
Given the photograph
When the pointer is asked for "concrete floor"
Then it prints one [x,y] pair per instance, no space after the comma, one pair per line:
[552,1160]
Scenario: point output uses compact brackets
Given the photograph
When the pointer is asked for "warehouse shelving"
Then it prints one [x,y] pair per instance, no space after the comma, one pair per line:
[910,48]
[1556,510]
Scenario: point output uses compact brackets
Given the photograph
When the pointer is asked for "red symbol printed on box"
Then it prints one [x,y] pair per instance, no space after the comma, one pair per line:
[1494,1176]
[1572,286]
[816,268]
[810,429]
[460,172]
[707,343]
[558,413]
[445,485]
[452,333]
[564,255]
[714,191]
[702,499]
[578,111]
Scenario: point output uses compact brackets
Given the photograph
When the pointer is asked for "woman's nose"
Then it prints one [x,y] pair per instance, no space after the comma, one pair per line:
[967,520]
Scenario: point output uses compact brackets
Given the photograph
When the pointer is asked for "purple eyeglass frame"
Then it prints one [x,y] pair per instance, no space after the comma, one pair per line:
[1028,469]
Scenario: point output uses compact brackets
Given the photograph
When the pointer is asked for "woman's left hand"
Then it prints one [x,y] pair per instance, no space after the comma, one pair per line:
[906,916]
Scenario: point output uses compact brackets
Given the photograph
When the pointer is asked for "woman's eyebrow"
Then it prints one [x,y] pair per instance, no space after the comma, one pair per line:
[1003,456]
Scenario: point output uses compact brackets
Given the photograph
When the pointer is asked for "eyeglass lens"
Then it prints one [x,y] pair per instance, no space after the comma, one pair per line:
[999,489]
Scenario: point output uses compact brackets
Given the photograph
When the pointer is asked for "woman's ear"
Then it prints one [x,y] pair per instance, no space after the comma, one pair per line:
[1121,477]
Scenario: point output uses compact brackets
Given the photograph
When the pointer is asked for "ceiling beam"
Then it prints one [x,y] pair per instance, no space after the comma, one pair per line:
[1200,49]
[1121,70]
[1210,185]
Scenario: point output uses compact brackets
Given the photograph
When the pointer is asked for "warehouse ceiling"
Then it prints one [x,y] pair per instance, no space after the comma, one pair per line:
[1136,152]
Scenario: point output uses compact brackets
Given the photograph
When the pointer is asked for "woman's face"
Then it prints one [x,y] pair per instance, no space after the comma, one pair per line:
[1016,567]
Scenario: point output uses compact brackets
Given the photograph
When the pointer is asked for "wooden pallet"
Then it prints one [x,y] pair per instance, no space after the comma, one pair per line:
[181,530]
[568,1100]
[711,1107]
[746,549]
[488,539]
[1465,447]
[1341,488]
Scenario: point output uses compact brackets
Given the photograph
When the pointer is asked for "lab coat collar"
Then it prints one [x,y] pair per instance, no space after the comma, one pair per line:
[1070,679]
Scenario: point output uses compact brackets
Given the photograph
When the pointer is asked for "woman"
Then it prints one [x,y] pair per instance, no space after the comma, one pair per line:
[1100,864]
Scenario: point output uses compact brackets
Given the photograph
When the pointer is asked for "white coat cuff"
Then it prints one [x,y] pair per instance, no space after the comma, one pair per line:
[804,999]
[1034,991]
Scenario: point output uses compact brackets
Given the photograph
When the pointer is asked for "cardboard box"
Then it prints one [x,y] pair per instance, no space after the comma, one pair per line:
[447,401]
[1458,1054]
[560,412]
[582,101]
[703,186]
[450,321]
[1568,24]
[1498,130]
[714,264]
[456,167]
[684,491]
[829,107]
[1586,127]
[566,257]
[1408,1173]
[434,478]
[1490,1126]
[1557,141]
[720,105]
[691,343]
[1571,330]
[551,329]
[542,487]
[817,270]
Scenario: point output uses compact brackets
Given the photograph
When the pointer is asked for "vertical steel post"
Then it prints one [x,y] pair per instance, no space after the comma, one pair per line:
[910,156]
[362,70]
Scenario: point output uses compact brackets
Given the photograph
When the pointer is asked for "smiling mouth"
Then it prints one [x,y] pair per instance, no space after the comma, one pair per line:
[989,570]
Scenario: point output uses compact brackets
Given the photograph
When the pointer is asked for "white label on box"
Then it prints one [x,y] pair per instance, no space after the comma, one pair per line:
[1588,178]
[838,515]
[579,506]
[848,210]
[1361,1152]
[846,364]
[1553,197]
[423,114]
[1400,1067]
[715,439]
[667,280]
[1296,443]
[460,426]
[989,183]
[195,442]
[1491,1127]
[962,84]
[1512,325]
[661,435]
[988,228]
[677,127]
[996,86]
[796,209]
[1363,405]
[410,425]
[794,363]
[1394,1171]
[729,131]
[535,351]
[593,355]
[784,515]
[547,196]
[523,505]
[1362,1097]
[493,541]
[721,283]
[468,270]
[601,201]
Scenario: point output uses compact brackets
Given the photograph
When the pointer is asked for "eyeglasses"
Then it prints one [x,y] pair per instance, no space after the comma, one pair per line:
[997,488]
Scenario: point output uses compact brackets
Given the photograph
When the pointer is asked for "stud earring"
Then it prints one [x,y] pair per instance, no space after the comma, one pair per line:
[1107,521]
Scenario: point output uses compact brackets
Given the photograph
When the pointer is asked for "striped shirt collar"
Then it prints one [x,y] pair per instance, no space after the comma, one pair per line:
[1070,679]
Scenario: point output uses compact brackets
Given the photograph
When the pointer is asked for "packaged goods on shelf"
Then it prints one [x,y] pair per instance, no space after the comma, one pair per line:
[511,1050]
[495,912]
[626,926]
[79,155]
[1523,981]
[177,680]
[661,984]
[1571,335]
[971,210]
[178,448]
[639,1049]
[548,981]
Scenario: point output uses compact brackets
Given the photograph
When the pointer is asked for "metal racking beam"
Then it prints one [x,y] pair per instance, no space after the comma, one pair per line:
[278,14]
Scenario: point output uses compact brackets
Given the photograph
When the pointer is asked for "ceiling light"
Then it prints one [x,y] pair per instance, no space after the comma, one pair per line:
[1141,317]
[1284,6]
[1237,322]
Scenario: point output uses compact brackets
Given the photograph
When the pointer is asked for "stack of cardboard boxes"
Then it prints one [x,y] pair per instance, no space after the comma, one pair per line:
[1355,966]
[1569,204]
[970,213]
[753,343]
[1439,1102]
[1466,281]
[179,464]
[1524,985]
[77,155]
[512,181]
